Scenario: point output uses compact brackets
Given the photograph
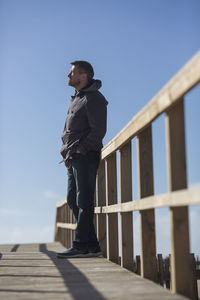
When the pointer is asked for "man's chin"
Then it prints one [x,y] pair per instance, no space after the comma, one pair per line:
[74,84]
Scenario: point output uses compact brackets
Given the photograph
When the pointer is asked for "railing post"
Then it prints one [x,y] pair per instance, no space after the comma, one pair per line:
[64,209]
[181,268]
[57,229]
[62,234]
[64,220]
[71,231]
[147,219]
[101,199]
[95,216]
[125,196]
[69,239]
[112,218]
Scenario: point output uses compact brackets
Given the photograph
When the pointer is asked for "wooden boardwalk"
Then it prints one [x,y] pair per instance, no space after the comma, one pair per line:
[32,271]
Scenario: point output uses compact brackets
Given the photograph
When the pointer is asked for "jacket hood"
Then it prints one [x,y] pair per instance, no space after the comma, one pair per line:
[94,85]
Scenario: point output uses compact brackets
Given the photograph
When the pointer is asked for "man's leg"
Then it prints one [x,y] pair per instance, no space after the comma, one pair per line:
[84,201]
[72,202]
[71,193]
[84,171]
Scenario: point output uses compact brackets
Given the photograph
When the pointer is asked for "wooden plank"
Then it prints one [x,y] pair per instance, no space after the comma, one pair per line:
[97,210]
[181,83]
[56,235]
[101,199]
[74,223]
[59,220]
[112,219]
[37,274]
[125,163]
[61,229]
[173,199]
[66,225]
[61,203]
[70,231]
[147,219]
[65,235]
[181,268]
[95,216]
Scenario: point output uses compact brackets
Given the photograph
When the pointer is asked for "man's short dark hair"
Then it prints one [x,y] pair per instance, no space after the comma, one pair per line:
[84,67]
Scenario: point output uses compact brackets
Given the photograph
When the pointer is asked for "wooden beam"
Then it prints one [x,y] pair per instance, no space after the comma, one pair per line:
[95,216]
[70,231]
[112,220]
[101,200]
[61,203]
[56,232]
[125,162]
[147,219]
[66,225]
[181,269]
[174,199]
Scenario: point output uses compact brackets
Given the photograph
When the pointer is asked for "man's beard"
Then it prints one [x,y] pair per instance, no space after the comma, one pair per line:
[73,83]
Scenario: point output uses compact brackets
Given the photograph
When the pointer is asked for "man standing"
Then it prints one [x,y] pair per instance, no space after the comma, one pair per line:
[84,130]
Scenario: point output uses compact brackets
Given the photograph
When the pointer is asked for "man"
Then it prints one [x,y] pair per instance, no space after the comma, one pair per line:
[84,130]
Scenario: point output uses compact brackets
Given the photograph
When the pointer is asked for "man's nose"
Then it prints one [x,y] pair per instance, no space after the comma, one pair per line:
[69,75]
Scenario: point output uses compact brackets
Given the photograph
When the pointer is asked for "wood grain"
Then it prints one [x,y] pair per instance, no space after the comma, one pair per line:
[181,268]
[112,219]
[101,199]
[147,219]
[34,272]
[125,163]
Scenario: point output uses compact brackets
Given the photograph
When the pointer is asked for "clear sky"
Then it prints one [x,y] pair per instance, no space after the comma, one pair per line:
[135,47]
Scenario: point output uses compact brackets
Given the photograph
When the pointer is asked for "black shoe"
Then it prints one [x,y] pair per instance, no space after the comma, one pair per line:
[95,252]
[73,252]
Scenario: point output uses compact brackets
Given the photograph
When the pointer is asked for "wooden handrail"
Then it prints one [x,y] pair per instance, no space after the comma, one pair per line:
[170,100]
[61,203]
[174,199]
[179,85]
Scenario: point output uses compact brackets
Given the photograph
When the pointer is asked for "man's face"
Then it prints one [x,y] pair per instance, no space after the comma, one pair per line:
[74,76]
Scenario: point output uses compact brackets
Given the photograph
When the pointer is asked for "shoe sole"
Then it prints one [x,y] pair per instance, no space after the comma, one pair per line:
[98,254]
[95,254]
[73,256]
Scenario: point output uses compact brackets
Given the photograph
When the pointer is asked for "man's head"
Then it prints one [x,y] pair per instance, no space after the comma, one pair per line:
[81,74]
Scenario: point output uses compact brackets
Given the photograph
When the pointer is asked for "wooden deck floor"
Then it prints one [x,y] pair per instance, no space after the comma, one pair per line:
[32,271]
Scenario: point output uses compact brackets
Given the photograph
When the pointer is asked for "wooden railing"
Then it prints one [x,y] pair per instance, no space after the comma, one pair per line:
[170,100]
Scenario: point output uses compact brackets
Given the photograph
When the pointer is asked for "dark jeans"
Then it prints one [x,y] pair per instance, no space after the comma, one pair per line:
[80,197]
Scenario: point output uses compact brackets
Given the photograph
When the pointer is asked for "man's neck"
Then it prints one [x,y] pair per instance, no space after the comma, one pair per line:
[81,86]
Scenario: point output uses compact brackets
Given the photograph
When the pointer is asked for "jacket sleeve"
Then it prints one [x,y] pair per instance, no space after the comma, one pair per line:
[96,110]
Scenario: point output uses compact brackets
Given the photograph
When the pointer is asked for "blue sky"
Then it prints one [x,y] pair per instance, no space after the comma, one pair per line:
[134,46]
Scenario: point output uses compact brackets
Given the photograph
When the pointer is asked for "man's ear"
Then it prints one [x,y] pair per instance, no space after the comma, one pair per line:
[84,76]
